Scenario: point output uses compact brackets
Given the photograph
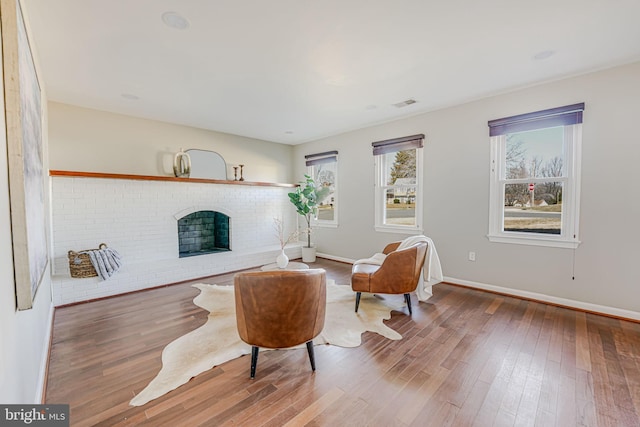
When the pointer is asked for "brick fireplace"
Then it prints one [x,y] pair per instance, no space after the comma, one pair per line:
[139,218]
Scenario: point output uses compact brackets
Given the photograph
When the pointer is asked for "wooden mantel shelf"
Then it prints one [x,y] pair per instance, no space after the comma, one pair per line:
[75,174]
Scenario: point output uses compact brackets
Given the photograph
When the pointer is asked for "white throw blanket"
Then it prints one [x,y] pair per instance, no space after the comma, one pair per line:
[431,271]
[106,262]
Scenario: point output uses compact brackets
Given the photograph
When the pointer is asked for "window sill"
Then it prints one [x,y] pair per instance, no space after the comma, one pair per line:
[534,241]
[325,224]
[399,230]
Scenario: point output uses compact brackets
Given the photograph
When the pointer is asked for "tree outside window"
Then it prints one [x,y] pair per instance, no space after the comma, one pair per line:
[398,183]
[537,157]
[325,175]
[323,168]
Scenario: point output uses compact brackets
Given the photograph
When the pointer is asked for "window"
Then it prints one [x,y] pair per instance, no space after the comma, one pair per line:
[398,197]
[535,177]
[323,168]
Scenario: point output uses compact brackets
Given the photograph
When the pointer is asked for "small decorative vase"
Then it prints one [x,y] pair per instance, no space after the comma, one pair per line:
[282,259]
[182,164]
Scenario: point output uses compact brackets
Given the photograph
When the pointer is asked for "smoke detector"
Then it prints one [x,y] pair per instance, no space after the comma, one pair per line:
[175,20]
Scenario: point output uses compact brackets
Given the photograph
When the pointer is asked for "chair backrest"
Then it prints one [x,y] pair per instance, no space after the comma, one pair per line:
[407,263]
[280,309]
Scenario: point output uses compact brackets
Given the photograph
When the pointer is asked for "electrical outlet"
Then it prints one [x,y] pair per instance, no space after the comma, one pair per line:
[472,256]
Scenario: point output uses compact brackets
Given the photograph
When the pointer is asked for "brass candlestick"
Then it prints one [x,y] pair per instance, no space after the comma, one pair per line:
[241,177]
[235,173]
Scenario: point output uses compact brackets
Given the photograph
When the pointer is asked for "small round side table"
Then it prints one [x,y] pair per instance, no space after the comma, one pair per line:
[292,265]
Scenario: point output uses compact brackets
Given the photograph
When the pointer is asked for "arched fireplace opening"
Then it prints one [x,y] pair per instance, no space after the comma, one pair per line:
[203,232]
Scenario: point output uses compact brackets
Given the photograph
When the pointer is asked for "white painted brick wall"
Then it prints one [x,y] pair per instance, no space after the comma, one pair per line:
[138,219]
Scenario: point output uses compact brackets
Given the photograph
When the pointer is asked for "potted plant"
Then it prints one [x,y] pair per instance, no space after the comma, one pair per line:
[306,198]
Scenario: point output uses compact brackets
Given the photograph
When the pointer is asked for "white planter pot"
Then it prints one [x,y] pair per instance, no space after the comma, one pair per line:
[308,254]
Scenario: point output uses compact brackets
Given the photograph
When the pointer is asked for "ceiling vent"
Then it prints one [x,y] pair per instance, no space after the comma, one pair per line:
[405,103]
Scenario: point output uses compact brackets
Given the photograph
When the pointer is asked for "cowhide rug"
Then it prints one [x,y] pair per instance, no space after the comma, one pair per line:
[217,341]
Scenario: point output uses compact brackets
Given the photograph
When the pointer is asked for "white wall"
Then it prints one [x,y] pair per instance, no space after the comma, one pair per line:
[88,140]
[456,191]
[23,334]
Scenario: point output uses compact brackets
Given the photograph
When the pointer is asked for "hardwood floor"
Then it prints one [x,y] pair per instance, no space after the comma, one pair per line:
[467,358]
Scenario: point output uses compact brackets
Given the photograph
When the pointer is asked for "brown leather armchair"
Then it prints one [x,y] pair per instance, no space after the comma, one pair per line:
[280,309]
[398,274]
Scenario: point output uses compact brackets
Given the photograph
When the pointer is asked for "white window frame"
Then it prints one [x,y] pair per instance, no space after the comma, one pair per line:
[381,192]
[312,161]
[569,237]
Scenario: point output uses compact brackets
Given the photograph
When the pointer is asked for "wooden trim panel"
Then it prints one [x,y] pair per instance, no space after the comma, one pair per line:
[78,174]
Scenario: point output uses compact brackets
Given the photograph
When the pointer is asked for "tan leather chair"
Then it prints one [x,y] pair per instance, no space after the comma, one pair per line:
[398,274]
[280,309]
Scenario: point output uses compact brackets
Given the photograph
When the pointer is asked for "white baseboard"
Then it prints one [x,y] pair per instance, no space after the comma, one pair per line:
[335,258]
[579,305]
[585,306]
[42,377]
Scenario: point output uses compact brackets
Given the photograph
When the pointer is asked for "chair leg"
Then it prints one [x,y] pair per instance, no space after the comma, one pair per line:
[254,361]
[312,357]
[407,298]
[358,294]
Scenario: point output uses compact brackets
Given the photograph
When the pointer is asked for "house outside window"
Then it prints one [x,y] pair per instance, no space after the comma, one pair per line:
[535,177]
[323,168]
[398,185]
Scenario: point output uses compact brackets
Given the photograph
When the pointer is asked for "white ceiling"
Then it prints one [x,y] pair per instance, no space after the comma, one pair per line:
[292,71]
